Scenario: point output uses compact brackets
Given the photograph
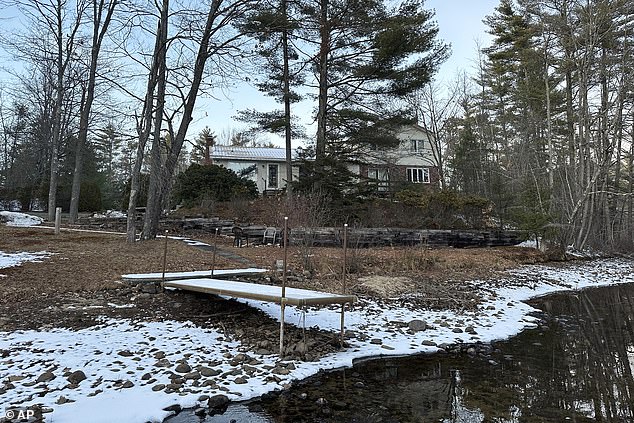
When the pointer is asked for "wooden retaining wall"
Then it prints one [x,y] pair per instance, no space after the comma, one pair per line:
[333,237]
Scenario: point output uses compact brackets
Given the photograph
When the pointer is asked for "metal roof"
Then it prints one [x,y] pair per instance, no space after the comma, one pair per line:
[248,153]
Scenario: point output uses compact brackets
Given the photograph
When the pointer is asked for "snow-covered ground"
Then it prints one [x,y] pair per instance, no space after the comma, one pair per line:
[19,219]
[128,364]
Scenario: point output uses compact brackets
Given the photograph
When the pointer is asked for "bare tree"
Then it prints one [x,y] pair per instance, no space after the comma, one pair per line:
[102,13]
[216,42]
[436,106]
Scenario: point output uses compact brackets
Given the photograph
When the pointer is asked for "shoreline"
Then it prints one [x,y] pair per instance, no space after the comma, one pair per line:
[375,329]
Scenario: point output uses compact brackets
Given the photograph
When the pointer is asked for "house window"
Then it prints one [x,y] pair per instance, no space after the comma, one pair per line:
[273,172]
[379,176]
[418,175]
[416,146]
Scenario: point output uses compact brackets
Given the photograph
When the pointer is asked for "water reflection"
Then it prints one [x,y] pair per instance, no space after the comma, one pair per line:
[578,368]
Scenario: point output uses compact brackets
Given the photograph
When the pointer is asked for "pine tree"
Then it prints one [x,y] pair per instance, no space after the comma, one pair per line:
[201,149]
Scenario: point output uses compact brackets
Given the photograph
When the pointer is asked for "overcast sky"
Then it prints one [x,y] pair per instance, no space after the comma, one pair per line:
[460,24]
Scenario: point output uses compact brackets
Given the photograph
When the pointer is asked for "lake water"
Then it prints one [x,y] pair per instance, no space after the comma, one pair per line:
[576,367]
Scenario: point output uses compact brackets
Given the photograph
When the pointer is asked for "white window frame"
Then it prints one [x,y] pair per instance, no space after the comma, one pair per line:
[418,175]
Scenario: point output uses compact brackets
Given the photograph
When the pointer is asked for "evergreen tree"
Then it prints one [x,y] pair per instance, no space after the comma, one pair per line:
[201,149]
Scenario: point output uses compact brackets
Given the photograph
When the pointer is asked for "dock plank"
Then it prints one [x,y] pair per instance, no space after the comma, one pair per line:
[254,291]
[173,276]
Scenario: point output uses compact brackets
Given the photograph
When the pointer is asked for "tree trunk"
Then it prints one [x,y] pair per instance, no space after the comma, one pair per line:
[97,39]
[144,126]
[166,172]
[57,116]
[287,104]
[322,63]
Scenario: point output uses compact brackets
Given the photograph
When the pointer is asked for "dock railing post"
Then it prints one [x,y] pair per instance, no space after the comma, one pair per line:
[213,260]
[345,255]
[164,263]
[283,299]
[345,268]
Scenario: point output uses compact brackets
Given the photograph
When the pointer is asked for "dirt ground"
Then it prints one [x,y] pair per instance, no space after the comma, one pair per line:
[80,281]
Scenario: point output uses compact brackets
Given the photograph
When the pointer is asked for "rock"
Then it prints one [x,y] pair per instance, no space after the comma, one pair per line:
[158,387]
[125,353]
[387,347]
[359,385]
[417,325]
[159,355]
[192,376]
[376,341]
[127,384]
[217,401]
[210,383]
[208,372]
[46,377]
[457,330]
[62,400]
[429,343]
[240,380]
[183,368]
[203,398]
[200,412]
[280,371]
[76,377]
[321,401]
[470,330]
[163,362]
[173,408]
[150,288]
[16,378]
[146,376]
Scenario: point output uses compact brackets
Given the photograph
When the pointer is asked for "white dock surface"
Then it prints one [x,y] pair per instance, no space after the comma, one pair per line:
[173,276]
[254,291]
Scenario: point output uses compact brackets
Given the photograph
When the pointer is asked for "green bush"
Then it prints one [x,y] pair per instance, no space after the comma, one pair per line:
[201,184]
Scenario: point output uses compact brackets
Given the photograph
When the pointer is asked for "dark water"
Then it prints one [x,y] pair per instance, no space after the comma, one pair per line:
[577,367]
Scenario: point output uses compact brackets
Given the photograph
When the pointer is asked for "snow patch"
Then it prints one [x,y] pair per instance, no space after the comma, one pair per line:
[16,259]
[19,219]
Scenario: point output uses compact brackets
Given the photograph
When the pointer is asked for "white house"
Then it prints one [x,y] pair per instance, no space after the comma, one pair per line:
[413,161]
[267,165]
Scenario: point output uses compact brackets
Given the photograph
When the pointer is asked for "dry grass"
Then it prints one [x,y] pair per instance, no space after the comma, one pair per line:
[84,261]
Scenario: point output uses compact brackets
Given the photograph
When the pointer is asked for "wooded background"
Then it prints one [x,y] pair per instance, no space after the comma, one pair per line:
[540,133]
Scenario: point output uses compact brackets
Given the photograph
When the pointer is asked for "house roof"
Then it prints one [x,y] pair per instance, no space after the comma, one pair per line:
[248,153]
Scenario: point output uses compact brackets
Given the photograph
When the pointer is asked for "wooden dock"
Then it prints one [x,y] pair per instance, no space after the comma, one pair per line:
[259,292]
[204,282]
